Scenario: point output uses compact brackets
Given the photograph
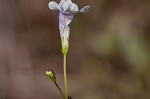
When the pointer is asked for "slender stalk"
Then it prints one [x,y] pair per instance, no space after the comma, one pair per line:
[65,76]
[59,90]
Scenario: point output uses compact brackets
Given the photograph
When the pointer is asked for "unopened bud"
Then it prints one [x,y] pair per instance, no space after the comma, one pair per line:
[51,75]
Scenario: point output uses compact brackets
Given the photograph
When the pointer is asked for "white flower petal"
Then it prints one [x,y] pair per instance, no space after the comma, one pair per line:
[85,9]
[66,6]
[62,2]
[69,1]
[73,8]
[53,5]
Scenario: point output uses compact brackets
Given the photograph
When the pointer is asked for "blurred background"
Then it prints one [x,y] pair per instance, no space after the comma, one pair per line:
[109,54]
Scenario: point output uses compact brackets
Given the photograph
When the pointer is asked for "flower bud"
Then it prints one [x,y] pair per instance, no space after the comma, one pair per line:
[51,75]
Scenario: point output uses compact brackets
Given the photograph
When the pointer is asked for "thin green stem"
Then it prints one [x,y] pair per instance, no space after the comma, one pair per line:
[59,90]
[65,77]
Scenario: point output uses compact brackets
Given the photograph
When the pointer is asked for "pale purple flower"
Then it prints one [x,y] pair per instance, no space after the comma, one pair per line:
[66,9]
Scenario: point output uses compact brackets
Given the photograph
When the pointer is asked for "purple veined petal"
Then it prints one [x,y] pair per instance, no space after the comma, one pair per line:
[85,9]
[61,23]
[64,22]
[61,19]
[65,19]
[53,5]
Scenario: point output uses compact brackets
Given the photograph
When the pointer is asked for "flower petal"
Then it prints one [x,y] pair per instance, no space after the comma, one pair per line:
[53,5]
[73,8]
[85,9]
[69,1]
[61,23]
[64,22]
[69,19]
[66,5]
[62,2]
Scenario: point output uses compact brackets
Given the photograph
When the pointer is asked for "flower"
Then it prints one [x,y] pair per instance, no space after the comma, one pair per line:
[66,9]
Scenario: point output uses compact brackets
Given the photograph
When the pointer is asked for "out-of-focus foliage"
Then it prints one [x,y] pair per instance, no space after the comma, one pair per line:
[109,55]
